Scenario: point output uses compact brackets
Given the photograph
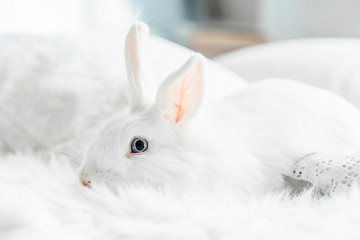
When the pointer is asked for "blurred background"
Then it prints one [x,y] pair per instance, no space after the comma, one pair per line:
[211,27]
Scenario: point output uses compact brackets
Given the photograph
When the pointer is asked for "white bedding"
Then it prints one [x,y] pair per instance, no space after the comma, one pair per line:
[330,63]
[42,200]
[40,193]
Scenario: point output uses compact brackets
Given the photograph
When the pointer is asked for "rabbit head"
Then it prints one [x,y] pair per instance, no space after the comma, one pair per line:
[146,144]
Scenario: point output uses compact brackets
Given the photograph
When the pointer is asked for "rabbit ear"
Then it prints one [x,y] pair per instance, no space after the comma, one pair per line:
[137,66]
[179,97]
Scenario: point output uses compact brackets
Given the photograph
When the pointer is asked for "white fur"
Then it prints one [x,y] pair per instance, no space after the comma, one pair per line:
[41,200]
[247,140]
[137,66]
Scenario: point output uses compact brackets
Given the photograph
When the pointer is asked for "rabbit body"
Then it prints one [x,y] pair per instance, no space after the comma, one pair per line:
[245,141]
[277,121]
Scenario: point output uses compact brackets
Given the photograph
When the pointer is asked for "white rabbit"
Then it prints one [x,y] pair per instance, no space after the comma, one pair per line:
[248,140]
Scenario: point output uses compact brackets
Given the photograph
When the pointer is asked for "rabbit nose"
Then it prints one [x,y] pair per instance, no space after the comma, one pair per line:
[84,180]
[86,183]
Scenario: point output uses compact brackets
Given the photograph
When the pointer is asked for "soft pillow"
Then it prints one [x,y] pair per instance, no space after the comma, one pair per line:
[332,64]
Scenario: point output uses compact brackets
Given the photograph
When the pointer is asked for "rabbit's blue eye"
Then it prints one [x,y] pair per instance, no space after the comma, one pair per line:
[139,145]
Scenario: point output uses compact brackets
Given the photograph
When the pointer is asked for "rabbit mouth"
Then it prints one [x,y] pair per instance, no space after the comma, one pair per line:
[90,177]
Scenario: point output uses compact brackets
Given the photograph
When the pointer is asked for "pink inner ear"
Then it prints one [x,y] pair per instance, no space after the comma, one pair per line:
[133,48]
[188,94]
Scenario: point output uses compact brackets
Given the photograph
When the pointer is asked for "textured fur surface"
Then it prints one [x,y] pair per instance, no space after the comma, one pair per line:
[43,199]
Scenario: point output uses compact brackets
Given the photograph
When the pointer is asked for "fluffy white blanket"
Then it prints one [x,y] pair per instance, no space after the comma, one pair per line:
[44,200]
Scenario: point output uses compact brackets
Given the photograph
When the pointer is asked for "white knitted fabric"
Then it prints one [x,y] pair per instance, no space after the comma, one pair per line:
[331,172]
